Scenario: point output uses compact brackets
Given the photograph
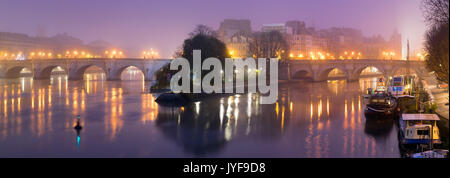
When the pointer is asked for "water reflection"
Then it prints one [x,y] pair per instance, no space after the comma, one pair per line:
[205,127]
[120,119]
[318,122]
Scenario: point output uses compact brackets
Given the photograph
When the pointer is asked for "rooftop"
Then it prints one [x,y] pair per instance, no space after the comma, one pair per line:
[420,117]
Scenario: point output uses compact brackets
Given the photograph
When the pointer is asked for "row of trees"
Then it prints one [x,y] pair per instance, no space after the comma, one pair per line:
[436,14]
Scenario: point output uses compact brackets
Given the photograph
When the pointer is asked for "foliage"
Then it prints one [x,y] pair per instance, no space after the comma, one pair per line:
[203,30]
[163,77]
[210,46]
[201,38]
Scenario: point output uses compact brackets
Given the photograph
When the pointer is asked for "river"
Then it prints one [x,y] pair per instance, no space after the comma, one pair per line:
[120,119]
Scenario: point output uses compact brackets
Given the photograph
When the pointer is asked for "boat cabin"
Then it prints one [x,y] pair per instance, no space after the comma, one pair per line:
[419,128]
[397,86]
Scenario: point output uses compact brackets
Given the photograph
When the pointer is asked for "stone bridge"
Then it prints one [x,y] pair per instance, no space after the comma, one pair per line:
[75,68]
[318,70]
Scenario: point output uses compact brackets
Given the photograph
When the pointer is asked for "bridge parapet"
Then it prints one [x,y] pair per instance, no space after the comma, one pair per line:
[75,68]
[318,70]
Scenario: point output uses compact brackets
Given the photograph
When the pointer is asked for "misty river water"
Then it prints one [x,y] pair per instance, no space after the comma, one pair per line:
[121,119]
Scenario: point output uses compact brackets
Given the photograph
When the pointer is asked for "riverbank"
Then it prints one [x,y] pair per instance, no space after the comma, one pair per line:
[439,96]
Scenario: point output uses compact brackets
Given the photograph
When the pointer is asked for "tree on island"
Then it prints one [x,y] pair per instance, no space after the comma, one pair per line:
[436,13]
[268,45]
[201,38]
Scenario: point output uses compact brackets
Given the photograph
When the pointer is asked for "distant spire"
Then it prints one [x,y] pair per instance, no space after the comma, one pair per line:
[407,49]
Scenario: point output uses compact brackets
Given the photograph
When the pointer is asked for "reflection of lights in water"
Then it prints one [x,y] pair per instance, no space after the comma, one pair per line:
[311,110]
[59,85]
[276,109]
[228,129]
[236,114]
[83,100]
[229,108]
[282,117]
[291,106]
[88,87]
[227,133]
[5,107]
[18,104]
[359,103]
[78,142]
[114,123]
[319,109]
[328,107]
[249,105]
[23,84]
[345,114]
[352,122]
[221,113]
[197,107]
[236,109]
[12,105]
[236,100]
[150,108]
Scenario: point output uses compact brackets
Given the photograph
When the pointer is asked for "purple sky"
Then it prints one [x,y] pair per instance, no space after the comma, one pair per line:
[164,24]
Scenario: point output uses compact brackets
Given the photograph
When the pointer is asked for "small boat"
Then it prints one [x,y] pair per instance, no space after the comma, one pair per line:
[436,153]
[419,129]
[172,99]
[380,106]
[156,90]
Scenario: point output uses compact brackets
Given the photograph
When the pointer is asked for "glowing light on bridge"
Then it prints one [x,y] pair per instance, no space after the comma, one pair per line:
[150,54]
[114,53]
[388,54]
[420,56]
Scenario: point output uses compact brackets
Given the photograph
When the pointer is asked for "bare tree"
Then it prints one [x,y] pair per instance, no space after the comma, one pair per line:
[436,11]
[268,45]
[436,14]
[203,30]
[437,47]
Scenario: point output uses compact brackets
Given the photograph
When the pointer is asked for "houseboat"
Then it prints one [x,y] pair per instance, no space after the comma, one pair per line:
[419,129]
[381,106]
[397,86]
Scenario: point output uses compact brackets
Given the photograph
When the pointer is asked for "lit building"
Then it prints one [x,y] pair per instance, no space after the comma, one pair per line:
[238,46]
[274,27]
[302,45]
[229,27]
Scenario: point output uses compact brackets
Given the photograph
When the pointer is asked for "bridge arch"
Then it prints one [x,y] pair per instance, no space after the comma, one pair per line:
[375,70]
[117,75]
[404,70]
[80,71]
[45,72]
[14,72]
[324,74]
[302,74]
